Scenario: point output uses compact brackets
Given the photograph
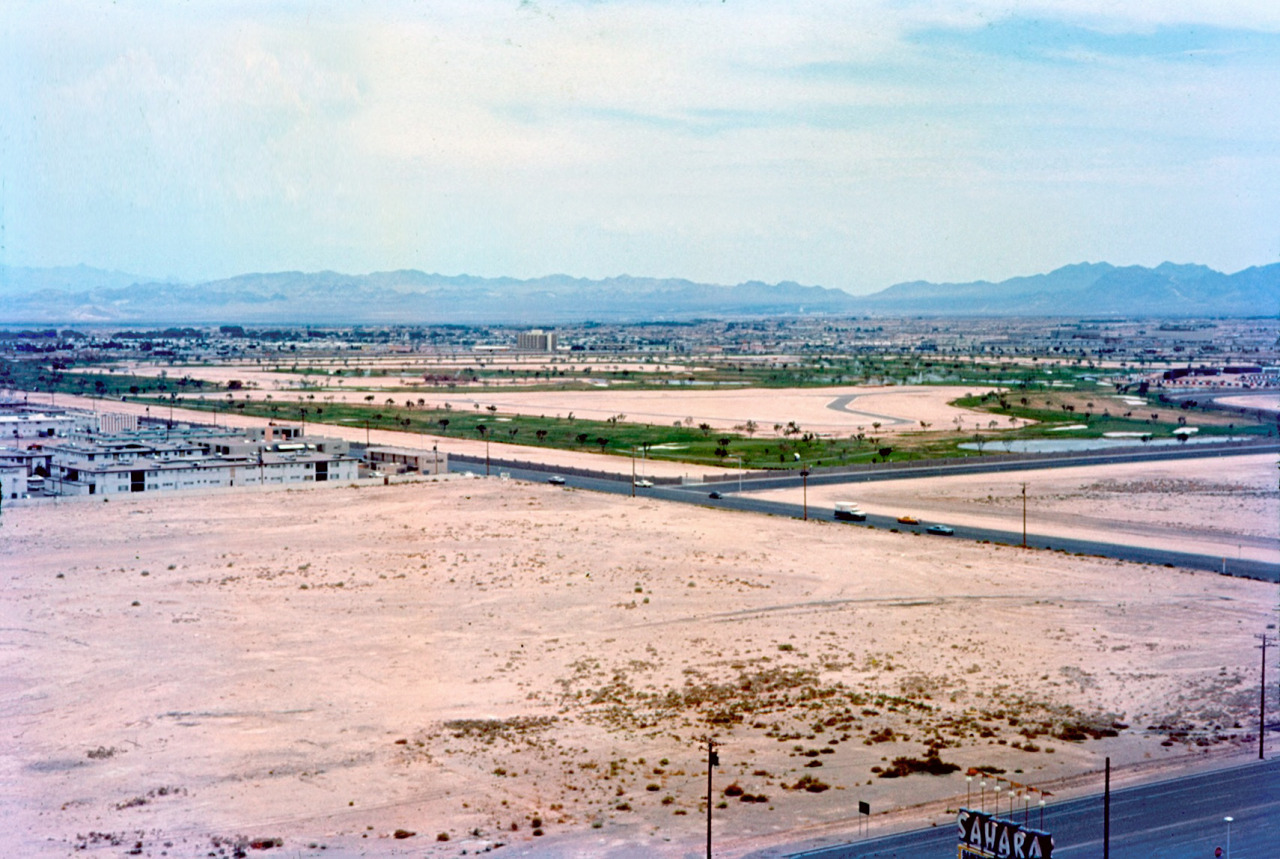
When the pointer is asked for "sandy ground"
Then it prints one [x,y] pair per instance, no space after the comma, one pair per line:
[409,371]
[1225,507]
[418,441]
[841,410]
[836,410]
[1253,401]
[493,660]
[826,411]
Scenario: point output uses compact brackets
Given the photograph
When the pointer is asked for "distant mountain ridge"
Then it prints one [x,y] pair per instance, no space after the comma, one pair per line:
[80,294]
[1089,289]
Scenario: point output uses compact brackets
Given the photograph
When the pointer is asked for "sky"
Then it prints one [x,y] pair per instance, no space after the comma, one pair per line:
[846,144]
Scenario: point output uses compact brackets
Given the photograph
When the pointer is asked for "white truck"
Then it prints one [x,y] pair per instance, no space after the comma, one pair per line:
[849,511]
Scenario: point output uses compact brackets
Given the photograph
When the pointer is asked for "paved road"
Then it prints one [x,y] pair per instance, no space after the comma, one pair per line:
[1177,819]
[732,500]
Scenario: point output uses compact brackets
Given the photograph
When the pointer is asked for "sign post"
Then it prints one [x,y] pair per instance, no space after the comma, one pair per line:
[989,837]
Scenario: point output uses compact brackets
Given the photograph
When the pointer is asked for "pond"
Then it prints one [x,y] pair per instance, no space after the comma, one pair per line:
[1077,445]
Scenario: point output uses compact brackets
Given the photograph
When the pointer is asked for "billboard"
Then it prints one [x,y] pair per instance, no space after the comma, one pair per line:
[985,835]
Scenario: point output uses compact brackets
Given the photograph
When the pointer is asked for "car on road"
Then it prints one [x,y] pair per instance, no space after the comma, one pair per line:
[715,496]
[644,484]
[908,520]
[943,530]
[555,480]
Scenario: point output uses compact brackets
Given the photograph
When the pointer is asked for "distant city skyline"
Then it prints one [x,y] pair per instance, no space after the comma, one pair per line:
[850,145]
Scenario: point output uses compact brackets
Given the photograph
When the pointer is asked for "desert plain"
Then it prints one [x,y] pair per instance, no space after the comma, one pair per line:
[468,663]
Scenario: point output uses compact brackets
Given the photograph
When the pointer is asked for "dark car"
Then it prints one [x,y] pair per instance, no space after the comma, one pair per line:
[943,530]
[715,495]
[556,480]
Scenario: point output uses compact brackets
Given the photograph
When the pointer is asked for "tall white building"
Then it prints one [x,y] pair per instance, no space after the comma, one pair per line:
[536,340]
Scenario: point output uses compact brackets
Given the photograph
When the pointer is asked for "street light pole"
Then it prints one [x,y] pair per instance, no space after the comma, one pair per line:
[1228,819]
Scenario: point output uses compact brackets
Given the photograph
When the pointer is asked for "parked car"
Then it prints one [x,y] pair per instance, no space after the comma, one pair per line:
[644,484]
[943,530]
[908,520]
[555,480]
[715,496]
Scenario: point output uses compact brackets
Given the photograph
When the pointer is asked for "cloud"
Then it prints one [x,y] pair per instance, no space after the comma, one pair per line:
[843,143]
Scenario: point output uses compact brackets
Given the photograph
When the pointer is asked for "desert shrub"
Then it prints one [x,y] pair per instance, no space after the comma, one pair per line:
[904,766]
[810,784]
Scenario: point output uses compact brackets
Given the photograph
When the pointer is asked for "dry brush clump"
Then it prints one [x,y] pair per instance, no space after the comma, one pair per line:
[491,730]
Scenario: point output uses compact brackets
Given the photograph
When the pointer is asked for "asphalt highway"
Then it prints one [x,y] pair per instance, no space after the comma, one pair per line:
[732,499]
[1182,818]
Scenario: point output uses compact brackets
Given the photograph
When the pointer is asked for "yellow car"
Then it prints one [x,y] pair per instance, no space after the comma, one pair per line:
[908,520]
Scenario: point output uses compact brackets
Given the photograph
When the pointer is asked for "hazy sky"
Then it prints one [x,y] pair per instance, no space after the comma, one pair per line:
[848,144]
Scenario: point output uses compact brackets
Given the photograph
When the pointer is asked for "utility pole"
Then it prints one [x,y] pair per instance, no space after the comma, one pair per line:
[1106,814]
[1024,515]
[713,760]
[1262,698]
[804,476]
[633,471]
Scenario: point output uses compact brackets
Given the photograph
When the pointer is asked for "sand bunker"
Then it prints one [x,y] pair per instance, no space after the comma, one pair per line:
[504,663]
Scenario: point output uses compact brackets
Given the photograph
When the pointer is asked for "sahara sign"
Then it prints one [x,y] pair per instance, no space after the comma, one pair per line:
[981,834]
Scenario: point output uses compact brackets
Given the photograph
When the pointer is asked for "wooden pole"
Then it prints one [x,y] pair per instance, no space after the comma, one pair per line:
[1106,814]
[1262,701]
[1024,515]
[712,760]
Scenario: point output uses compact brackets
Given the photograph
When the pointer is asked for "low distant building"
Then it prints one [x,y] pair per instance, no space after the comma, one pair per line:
[26,425]
[1246,377]
[157,475]
[13,481]
[112,422]
[396,460]
[106,457]
[35,460]
[537,340]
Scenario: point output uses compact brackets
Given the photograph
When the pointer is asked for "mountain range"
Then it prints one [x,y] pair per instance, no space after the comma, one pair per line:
[84,295]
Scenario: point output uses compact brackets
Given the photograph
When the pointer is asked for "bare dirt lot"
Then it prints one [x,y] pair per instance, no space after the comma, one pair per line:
[503,663]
